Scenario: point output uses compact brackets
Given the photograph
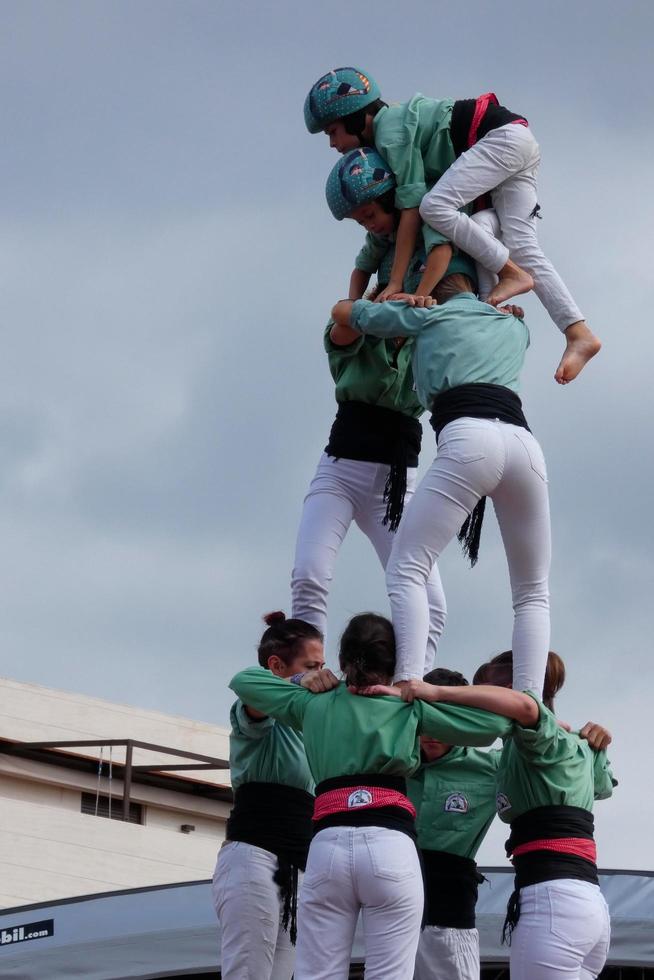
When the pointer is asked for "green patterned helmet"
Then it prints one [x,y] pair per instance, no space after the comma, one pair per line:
[358,177]
[339,93]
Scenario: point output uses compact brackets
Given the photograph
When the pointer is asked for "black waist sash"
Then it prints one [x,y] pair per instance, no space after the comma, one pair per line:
[476,401]
[547,823]
[392,817]
[451,884]
[463,112]
[373,434]
[278,819]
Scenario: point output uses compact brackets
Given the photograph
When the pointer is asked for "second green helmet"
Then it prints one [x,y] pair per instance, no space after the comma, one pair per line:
[358,177]
[339,93]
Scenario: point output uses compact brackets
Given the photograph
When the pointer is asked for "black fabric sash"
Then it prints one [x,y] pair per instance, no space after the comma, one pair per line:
[391,817]
[278,819]
[463,113]
[477,401]
[451,884]
[373,434]
[547,823]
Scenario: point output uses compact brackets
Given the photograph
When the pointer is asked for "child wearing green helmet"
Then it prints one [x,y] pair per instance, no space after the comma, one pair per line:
[361,186]
[444,154]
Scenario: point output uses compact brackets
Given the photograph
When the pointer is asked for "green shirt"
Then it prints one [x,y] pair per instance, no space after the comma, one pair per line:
[547,766]
[374,371]
[461,342]
[345,734]
[455,800]
[378,252]
[414,139]
[266,751]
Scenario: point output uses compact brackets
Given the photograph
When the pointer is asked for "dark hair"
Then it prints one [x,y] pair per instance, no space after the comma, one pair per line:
[445,678]
[452,285]
[355,122]
[284,638]
[386,201]
[367,651]
[499,671]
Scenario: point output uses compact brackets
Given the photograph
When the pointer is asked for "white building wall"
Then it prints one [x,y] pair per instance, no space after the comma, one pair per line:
[50,850]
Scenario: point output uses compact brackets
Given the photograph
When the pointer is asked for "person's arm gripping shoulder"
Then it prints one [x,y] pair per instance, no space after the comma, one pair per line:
[545,741]
[389,319]
[345,350]
[246,725]
[273,695]
[603,778]
[458,725]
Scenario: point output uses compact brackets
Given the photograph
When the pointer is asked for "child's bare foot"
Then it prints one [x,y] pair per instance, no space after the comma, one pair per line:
[581,345]
[512,281]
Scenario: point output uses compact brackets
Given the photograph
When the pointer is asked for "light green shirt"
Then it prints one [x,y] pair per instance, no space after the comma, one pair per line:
[266,751]
[345,734]
[377,254]
[464,341]
[414,139]
[454,797]
[374,371]
[547,766]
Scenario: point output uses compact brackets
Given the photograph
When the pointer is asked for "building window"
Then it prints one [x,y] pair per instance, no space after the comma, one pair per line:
[99,806]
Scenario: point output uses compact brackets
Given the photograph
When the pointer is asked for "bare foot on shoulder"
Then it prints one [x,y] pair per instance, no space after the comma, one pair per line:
[512,281]
[581,345]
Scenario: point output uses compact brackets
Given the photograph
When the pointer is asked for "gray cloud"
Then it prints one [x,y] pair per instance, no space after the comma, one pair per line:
[167,267]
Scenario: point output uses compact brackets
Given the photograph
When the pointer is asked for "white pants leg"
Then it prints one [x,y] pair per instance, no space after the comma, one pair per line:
[253,943]
[486,280]
[447,954]
[477,457]
[342,491]
[359,869]
[504,162]
[563,932]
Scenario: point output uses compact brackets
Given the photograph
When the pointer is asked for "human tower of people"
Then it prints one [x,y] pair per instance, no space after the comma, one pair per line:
[369,796]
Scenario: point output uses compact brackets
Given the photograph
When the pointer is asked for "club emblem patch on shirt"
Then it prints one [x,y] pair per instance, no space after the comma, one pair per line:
[502,803]
[360,797]
[456,803]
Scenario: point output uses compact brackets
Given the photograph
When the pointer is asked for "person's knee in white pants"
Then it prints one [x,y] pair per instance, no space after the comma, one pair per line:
[343,491]
[253,942]
[447,954]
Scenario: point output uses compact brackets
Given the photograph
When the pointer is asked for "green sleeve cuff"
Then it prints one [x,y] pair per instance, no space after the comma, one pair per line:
[359,307]
[409,195]
[432,238]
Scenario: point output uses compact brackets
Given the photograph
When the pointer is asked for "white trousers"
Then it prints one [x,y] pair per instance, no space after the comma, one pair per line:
[504,162]
[342,491]
[254,944]
[352,870]
[447,954]
[563,932]
[477,457]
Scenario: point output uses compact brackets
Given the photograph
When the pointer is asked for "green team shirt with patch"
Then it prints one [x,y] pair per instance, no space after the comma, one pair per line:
[547,766]
[266,751]
[345,734]
[414,139]
[454,797]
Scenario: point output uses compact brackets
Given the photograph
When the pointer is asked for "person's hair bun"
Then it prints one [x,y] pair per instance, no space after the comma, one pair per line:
[272,618]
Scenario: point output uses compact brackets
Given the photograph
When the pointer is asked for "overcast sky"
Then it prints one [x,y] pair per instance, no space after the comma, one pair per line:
[167,263]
